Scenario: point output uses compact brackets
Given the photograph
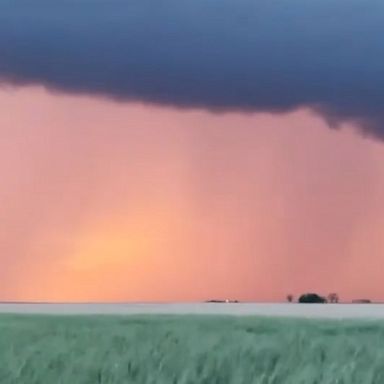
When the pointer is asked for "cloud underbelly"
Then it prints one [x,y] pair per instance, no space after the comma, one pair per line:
[245,56]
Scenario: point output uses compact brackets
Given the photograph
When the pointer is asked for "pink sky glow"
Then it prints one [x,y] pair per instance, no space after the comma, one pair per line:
[106,201]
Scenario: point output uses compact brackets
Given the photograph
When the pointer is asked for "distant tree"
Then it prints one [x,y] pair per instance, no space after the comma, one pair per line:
[333,298]
[290,298]
[312,298]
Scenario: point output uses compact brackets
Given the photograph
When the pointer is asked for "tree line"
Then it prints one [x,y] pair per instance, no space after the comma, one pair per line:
[332,298]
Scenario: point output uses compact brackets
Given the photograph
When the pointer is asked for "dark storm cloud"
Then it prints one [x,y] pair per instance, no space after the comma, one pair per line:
[249,55]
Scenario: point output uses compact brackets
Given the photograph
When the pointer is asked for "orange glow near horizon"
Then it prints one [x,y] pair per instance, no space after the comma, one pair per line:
[105,201]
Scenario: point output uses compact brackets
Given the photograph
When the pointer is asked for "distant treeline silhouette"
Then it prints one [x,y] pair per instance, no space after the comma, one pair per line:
[314,298]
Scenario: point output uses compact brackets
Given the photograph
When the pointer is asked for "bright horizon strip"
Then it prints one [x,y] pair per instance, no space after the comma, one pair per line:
[105,201]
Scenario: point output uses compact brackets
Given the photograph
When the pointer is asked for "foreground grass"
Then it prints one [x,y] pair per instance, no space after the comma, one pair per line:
[188,350]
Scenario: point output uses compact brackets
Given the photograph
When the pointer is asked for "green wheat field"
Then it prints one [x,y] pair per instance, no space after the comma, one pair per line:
[188,350]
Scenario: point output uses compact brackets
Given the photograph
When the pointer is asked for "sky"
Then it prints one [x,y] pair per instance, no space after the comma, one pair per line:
[205,150]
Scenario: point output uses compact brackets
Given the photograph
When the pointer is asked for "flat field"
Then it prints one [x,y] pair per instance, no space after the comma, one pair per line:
[185,349]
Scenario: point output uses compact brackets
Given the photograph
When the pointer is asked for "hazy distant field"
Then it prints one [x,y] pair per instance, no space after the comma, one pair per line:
[188,350]
[335,311]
